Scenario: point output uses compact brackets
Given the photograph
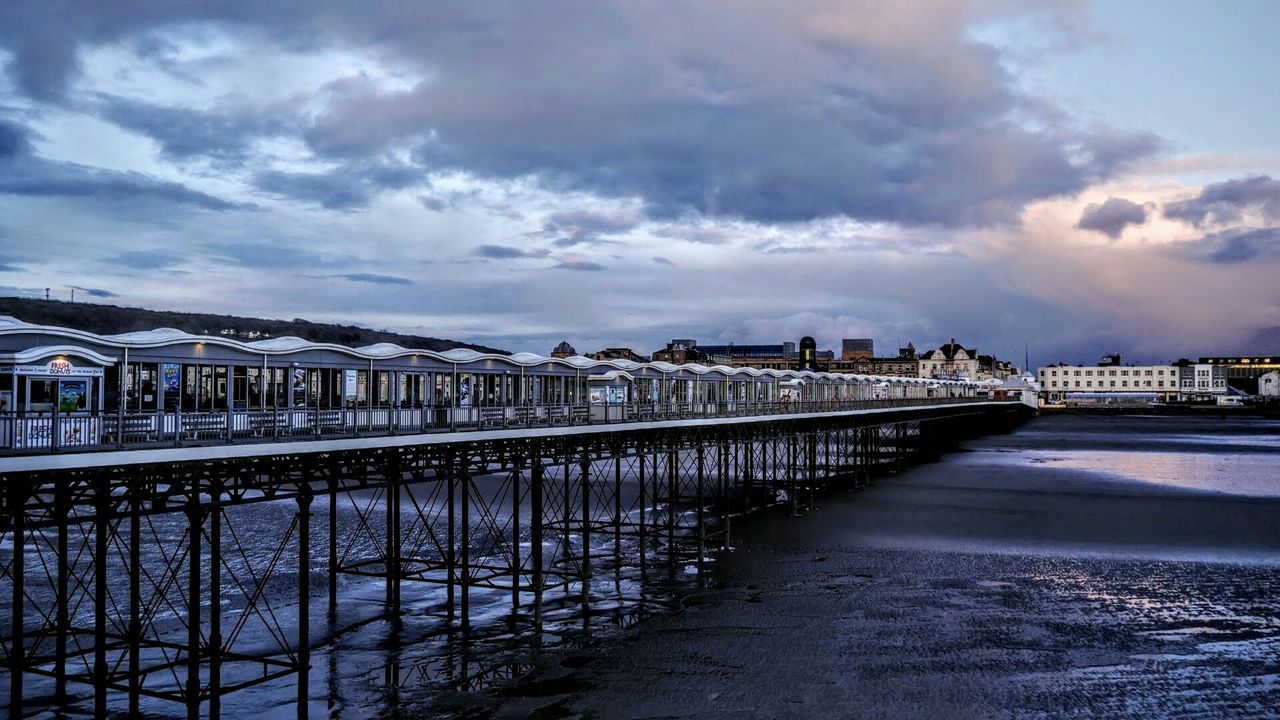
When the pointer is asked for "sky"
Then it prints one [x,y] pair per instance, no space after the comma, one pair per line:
[1060,178]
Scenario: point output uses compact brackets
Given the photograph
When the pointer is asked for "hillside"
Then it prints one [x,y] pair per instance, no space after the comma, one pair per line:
[112,319]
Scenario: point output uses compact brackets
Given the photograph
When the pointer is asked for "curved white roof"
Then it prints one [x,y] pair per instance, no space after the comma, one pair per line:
[162,337]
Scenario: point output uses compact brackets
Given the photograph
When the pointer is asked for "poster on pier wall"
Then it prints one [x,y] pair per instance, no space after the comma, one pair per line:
[171,377]
[299,386]
[349,387]
[6,400]
[464,391]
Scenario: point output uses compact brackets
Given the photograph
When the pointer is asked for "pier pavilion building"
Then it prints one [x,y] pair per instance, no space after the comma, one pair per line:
[70,388]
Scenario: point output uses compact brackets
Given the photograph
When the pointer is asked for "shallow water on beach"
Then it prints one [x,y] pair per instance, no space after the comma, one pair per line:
[1077,567]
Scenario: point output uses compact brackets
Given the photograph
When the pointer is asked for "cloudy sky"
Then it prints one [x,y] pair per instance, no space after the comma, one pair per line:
[1078,178]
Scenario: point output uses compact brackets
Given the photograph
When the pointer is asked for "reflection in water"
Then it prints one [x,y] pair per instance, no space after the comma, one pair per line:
[1251,474]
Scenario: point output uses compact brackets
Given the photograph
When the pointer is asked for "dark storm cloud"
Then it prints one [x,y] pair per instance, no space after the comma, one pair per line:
[1111,217]
[40,178]
[506,252]
[1226,202]
[95,292]
[579,263]
[13,140]
[144,259]
[182,133]
[22,173]
[270,254]
[374,278]
[663,261]
[1235,246]
[349,187]
[586,227]
[823,110]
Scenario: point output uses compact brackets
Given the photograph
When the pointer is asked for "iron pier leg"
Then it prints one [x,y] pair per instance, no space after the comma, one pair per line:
[535,540]
[102,526]
[17,649]
[700,454]
[791,474]
[584,467]
[516,471]
[464,570]
[195,521]
[304,602]
[61,512]
[135,598]
[617,508]
[644,570]
[724,496]
[333,548]
[215,601]
[451,557]
[673,491]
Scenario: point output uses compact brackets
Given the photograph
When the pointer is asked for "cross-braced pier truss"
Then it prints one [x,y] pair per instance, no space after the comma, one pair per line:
[188,575]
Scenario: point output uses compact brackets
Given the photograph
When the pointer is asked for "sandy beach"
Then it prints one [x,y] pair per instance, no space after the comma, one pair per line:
[1079,567]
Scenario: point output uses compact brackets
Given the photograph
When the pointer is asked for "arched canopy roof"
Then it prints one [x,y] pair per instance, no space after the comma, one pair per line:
[21,339]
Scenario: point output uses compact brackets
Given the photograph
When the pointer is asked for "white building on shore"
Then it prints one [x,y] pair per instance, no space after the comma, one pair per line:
[1121,383]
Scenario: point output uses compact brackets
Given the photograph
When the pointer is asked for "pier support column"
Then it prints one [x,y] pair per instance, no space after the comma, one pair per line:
[102,528]
[135,596]
[535,540]
[464,566]
[195,521]
[17,570]
[517,472]
[62,621]
[304,601]
[215,599]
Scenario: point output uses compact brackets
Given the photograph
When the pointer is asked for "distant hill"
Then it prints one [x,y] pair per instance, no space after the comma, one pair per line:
[113,319]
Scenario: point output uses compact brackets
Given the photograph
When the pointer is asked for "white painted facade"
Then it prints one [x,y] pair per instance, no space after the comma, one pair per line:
[1162,380]
[1269,385]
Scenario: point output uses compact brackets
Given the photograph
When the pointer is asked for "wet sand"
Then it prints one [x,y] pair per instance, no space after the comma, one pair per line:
[1053,572]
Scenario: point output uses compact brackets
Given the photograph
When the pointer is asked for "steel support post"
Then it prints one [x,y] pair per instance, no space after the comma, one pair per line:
[617,506]
[392,542]
[451,553]
[304,600]
[464,569]
[723,472]
[333,547]
[699,498]
[135,596]
[792,451]
[673,492]
[641,502]
[195,520]
[61,510]
[215,598]
[102,528]
[17,632]
[584,467]
[517,470]
[535,539]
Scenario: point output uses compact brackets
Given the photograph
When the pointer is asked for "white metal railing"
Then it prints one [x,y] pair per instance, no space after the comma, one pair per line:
[33,433]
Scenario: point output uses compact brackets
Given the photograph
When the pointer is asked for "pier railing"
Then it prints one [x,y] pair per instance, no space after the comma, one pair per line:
[29,433]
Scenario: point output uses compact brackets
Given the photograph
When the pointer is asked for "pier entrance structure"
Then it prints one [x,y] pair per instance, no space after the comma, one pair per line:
[168,573]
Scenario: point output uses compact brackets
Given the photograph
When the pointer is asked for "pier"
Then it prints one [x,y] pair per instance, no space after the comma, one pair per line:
[132,579]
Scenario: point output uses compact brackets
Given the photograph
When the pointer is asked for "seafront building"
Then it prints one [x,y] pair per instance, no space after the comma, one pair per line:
[1111,382]
[950,361]
[1244,372]
[1132,383]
